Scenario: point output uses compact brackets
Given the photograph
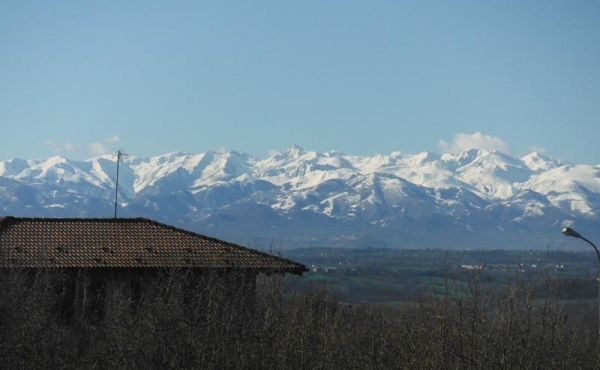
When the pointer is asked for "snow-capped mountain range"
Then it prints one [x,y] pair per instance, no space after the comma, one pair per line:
[295,198]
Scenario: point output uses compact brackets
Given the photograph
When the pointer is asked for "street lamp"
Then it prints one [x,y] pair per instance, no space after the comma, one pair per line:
[570,232]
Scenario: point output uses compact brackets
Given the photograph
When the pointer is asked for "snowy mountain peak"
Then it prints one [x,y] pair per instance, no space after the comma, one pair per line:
[13,167]
[294,152]
[333,192]
[541,162]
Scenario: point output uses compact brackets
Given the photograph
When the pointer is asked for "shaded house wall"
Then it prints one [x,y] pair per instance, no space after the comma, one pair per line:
[103,257]
[89,295]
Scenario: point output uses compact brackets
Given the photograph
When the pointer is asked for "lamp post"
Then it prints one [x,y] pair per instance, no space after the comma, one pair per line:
[570,232]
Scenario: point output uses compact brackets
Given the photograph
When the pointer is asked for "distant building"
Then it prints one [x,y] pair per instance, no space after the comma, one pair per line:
[474,267]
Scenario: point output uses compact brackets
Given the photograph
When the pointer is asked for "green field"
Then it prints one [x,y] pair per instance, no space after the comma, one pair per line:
[394,275]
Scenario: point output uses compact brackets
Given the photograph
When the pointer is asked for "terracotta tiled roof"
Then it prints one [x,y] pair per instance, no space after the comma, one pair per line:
[125,242]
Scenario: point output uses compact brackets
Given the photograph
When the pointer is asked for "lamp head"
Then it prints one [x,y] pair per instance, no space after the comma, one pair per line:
[570,232]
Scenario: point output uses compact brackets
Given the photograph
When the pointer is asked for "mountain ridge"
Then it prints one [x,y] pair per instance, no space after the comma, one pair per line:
[476,198]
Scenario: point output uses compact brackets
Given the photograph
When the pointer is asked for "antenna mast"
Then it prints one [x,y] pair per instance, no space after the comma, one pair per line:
[119,155]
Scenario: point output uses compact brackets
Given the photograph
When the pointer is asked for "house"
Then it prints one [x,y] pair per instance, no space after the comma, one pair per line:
[124,243]
[105,254]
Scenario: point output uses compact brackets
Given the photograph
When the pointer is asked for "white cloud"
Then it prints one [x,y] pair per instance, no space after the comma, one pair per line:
[93,149]
[537,149]
[60,148]
[464,142]
[112,139]
[96,149]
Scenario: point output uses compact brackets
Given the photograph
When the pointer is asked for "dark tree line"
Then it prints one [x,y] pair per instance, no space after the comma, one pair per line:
[181,320]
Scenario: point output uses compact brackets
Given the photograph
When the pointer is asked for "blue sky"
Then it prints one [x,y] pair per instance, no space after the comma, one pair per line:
[80,79]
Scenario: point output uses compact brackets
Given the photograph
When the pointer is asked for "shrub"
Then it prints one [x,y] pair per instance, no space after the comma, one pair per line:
[184,320]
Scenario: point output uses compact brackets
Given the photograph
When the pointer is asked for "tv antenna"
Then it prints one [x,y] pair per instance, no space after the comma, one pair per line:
[119,155]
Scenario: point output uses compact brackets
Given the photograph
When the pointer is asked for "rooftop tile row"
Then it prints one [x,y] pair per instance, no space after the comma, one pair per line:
[126,242]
